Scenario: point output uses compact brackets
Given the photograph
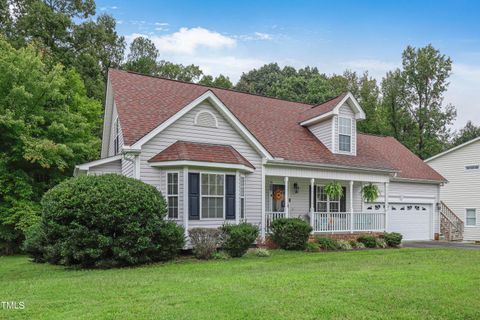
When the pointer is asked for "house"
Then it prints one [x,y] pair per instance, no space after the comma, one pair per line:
[461,195]
[222,156]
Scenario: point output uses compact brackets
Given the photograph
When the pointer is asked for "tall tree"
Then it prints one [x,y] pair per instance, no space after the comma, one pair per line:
[220,81]
[142,57]
[425,72]
[170,70]
[260,80]
[47,125]
[467,133]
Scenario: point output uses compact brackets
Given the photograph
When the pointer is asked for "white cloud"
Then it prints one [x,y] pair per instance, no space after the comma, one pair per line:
[107,8]
[255,36]
[162,24]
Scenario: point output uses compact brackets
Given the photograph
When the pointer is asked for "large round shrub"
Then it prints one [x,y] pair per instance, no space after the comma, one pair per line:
[105,221]
[290,233]
[238,238]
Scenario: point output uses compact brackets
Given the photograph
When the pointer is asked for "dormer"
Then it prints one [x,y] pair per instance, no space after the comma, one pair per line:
[334,123]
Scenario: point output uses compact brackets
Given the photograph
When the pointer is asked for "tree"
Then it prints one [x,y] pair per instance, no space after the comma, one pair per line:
[425,72]
[467,133]
[170,70]
[220,82]
[47,125]
[259,81]
[142,57]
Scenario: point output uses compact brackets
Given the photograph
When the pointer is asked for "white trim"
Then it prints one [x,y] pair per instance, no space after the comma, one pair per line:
[237,197]
[357,109]
[167,172]
[137,167]
[301,164]
[195,121]
[425,181]
[263,222]
[476,218]
[209,95]
[452,149]
[334,124]
[86,166]
[205,164]
[185,201]
[107,120]
[287,195]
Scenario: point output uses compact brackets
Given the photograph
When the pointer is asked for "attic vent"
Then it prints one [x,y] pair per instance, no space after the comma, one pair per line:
[206,119]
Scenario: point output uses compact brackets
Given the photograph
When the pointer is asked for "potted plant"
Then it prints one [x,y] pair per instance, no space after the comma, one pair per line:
[334,190]
[370,192]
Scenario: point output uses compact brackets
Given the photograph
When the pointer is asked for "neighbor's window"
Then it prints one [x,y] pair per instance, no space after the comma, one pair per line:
[116,137]
[324,203]
[471,219]
[172,195]
[213,193]
[242,197]
[472,167]
[344,134]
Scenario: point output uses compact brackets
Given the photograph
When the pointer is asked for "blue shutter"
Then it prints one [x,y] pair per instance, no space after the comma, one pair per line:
[230,197]
[194,196]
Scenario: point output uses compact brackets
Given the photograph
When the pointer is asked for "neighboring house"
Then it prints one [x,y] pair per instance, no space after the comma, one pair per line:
[461,167]
[222,156]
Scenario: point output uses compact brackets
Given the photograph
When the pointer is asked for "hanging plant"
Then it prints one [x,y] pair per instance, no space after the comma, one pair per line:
[334,190]
[370,192]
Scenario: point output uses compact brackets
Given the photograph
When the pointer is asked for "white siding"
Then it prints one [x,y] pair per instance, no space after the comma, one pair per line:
[323,132]
[128,167]
[346,111]
[463,187]
[185,130]
[111,167]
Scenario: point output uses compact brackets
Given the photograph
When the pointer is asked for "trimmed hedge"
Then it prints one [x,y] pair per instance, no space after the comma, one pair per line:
[238,238]
[104,221]
[393,239]
[290,233]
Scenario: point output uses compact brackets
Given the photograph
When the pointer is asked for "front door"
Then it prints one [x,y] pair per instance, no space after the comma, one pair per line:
[278,198]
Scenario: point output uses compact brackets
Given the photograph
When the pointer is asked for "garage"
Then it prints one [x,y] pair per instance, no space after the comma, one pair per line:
[412,220]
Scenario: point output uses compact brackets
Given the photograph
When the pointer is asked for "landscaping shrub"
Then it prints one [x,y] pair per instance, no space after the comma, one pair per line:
[327,243]
[381,243]
[260,252]
[238,238]
[344,245]
[393,239]
[35,243]
[205,241]
[312,247]
[357,245]
[220,255]
[104,221]
[290,233]
[368,241]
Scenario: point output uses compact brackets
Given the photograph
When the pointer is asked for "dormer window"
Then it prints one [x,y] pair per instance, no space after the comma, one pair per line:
[344,134]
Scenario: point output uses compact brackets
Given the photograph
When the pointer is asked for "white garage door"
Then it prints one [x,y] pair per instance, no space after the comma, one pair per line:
[412,220]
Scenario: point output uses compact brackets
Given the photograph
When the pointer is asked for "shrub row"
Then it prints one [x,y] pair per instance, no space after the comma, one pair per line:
[385,240]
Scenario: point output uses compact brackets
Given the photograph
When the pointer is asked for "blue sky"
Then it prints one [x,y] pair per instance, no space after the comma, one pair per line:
[231,37]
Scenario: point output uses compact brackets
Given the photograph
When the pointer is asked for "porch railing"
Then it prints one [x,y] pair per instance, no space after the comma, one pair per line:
[270,217]
[345,222]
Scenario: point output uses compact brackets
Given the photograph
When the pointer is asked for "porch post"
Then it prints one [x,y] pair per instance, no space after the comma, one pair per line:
[386,206]
[287,204]
[185,200]
[262,227]
[351,206]
[312,204]
[237,197]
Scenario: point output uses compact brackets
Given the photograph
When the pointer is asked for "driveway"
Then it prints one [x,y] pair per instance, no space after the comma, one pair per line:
[440,244]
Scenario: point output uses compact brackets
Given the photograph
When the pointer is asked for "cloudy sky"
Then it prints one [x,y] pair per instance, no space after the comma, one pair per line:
[233,37]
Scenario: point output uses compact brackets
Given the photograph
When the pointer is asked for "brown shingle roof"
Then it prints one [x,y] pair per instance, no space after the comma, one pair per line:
[322,108]
[204,152]
[144,102]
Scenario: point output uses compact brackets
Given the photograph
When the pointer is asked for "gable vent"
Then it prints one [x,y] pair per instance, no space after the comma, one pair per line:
[206,119]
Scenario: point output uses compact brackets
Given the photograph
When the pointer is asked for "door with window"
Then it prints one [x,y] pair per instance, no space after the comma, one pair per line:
[278,198]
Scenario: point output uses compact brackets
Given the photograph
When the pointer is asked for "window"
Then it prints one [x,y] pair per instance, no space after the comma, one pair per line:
[344,134]
[242,197]
[212,195]
[172,194]
[471,219]
[472,167]
[116,137]
[324,203]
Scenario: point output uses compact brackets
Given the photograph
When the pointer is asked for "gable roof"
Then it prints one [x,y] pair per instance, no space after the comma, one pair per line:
[453,149]
[145,102]
[203,152]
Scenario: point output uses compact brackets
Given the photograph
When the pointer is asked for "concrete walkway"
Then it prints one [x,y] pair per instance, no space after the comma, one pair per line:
[440,244]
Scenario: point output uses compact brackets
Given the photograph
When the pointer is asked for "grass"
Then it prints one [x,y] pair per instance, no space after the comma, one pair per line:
[374,284]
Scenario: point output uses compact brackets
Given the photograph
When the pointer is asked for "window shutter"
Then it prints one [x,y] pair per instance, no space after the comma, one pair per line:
[194,196]
[343,200]
[230,197]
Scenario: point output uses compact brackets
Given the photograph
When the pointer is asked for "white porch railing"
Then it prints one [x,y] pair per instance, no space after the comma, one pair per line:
[270,217]
[344,222]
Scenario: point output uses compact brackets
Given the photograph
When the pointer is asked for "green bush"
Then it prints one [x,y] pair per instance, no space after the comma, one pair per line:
[393,239]
[35,242]
[381,243]
[104,221]
[368,241]
[238,238]
[263,253]
[357,245]
[220,255]
[344,245]
[312,247]
[205,242]
[327,243]
[290,233]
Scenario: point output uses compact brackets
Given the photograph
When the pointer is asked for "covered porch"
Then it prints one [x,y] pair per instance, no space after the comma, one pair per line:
[294,195]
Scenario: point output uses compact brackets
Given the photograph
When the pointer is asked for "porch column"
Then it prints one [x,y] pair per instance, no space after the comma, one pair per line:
[351,206]
[262,228]
[287,204]
[237,197]
[185,200]
[386,206]
[312,204]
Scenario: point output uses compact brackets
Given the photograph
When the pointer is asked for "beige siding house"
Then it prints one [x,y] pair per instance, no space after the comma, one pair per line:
[221,156]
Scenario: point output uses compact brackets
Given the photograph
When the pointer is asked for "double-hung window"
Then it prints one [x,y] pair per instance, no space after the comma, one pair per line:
[172,194]
[345,134]
[116,137]
[471,217]
[325,203]
[212,195]
[242,197]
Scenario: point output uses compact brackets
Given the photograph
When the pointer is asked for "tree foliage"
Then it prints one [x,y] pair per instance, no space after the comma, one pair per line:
[467,133]
[47,124]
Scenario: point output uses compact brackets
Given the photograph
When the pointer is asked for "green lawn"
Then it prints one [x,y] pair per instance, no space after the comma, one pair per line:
[406,283]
